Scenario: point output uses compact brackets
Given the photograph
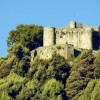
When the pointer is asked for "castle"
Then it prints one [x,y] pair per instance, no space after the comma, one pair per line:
[64,41]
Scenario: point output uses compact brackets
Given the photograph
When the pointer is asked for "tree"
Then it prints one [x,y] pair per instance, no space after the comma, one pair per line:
[53,90]
[97,64]
[20,42]
[81,73]
[56,67]
[30,36]
[6,66]
[92,91]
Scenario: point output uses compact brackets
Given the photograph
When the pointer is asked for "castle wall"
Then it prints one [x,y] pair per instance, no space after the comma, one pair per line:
[49,36]
[78,37]
[48,51]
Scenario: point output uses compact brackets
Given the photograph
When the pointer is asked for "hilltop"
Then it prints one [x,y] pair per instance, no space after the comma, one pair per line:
[29,75]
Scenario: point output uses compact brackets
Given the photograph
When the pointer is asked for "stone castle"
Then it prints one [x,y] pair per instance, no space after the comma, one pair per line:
[65,41]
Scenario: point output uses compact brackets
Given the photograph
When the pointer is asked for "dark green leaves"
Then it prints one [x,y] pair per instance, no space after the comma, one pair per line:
[30,36]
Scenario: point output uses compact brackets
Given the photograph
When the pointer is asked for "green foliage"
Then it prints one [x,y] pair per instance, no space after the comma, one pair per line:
[4,96]
[20,42]
[56,67]
[42,71]
[18,50]
[53,90]
[31,89]
[92,91]
[30,36]
[22,66]
[81,73]
[10,86]
[5,66]
[21,61]
[97,64]
[34,85]
[52,79]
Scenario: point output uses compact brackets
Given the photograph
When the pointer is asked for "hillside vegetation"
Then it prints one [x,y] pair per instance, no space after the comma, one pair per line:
[53,79]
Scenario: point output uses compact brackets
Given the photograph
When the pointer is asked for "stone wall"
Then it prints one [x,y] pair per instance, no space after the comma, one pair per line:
[47,52]
[78,37]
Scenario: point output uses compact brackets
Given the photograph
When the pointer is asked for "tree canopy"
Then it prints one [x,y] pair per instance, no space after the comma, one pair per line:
[30,36]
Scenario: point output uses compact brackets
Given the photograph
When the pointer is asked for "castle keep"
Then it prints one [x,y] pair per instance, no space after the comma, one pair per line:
[65,40]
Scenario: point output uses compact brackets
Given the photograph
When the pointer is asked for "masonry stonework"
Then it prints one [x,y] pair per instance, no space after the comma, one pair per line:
[48,51]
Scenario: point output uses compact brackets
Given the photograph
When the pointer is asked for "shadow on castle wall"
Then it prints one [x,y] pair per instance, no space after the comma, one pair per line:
[96,40]
[76,52]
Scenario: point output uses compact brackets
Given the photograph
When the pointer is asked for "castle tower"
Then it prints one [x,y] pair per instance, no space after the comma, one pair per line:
[72,24]
[49,36]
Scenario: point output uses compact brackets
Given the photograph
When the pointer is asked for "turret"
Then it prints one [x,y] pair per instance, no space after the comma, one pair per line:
[49,36]
[72,24]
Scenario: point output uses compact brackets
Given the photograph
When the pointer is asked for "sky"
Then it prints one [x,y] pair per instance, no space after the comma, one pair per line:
[56,13]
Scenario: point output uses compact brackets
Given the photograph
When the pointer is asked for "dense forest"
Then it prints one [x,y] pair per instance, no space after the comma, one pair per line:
[77,78]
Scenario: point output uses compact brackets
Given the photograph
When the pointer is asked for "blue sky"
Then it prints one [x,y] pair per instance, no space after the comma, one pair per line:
[55,13]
